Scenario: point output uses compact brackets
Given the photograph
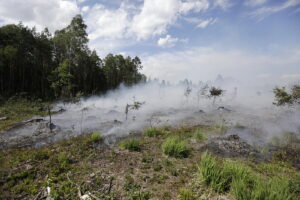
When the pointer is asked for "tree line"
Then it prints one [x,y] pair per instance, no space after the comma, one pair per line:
[60,66]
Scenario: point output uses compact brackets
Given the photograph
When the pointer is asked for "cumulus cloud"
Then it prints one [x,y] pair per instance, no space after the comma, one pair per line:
[167,41]
[265,11]
[55,14]
[139,21]
[205,23]
[154,18]
[106,23]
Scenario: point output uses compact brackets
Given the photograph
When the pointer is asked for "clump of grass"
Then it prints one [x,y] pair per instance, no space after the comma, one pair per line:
[96,137]
[186,194]
[175,147]
[131,144]
[242,183]
[210,171]
[153,132]
[199,135]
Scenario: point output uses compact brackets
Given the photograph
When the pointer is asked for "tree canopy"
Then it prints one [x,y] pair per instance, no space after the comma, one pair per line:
[59,66]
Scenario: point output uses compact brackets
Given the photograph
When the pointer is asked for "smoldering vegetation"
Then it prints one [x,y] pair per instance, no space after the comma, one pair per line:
[238,110]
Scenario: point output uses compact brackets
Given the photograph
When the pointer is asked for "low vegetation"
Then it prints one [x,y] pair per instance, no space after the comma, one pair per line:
[153,132]
[138,169]
[131,144]
[242,182]
[96,137]
[19,108]
[175,147]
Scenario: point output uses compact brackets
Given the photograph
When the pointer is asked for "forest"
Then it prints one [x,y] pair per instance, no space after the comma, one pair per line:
[60,66]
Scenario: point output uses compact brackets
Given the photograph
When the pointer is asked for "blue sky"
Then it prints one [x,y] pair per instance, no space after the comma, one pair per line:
[251,40]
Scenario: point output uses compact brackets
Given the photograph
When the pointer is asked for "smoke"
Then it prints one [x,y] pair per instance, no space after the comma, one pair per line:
[170,105]
[246,111]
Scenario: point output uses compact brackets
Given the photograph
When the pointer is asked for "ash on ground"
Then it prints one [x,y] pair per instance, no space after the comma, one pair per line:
[231,146]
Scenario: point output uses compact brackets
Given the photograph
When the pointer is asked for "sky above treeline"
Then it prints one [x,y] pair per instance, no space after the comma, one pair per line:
[253,41]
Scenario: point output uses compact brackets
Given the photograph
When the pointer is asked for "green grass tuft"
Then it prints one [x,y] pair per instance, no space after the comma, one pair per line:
[96,137]
[175,147]
[242,183]
[153,132]
[131,145]
[199,136]
[186,194]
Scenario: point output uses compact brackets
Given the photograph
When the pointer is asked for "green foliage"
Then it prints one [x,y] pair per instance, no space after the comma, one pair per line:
[199,135]
[96,137]
[215,92]
[59,66]
[131,144]
[175,147]
[282,97]
[242,183]
[153,132]
[186,194]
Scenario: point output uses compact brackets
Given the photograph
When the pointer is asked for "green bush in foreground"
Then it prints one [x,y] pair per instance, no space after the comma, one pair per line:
[175,147]
[96,137]
[131,144]
[242,183]
[153,132]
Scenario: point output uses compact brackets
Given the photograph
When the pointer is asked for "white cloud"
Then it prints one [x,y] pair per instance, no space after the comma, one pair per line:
[154,18]
[205,23]
[224,4]
[85,9]
[54,14]
[167,41]
[132,22]
[206,63]
[194,5]
[255,2]
[265,11]
[105,23]
[156,15]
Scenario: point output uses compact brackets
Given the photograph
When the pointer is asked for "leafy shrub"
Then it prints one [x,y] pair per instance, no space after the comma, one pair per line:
[153,132]
[131,145]
[185,194]
[96,137]
[199,136]
[175,147]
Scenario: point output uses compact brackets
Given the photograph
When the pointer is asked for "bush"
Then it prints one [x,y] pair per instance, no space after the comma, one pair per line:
[153,132]
[96,137]
[131,145]
[175,147]
[199,136]
[185,194]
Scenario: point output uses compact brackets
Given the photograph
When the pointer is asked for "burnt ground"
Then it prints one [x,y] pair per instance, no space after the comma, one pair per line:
[111,172]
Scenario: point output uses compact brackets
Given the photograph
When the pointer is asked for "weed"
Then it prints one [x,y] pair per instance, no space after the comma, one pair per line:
[96,137]
[131,145]
[157,167]
[175,147]
[153,132]
[199,136]
[186,194]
